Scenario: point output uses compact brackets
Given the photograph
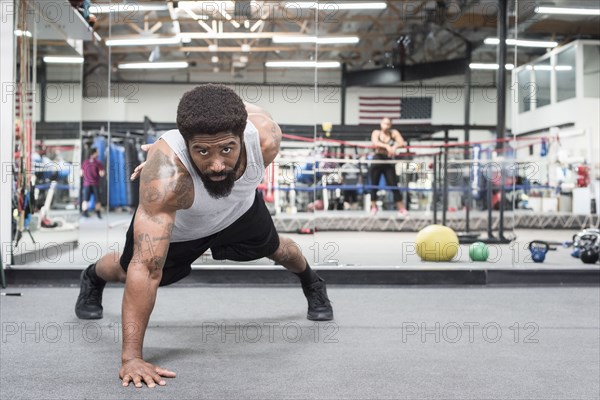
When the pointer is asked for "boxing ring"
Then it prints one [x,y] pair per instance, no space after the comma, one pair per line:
[453,183]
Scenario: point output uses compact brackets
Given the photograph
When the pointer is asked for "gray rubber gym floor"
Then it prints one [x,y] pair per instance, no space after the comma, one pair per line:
[254,343]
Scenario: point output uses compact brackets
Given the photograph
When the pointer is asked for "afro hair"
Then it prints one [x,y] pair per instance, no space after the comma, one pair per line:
[211,109]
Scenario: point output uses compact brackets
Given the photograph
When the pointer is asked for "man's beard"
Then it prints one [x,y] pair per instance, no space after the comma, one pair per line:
[223,188]
[219,189]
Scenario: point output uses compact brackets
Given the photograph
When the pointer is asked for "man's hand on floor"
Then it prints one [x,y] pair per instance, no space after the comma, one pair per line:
[137,371]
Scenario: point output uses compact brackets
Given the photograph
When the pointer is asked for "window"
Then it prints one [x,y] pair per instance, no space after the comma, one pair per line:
[591,71]
[526,90]
[542,72]
[565,74]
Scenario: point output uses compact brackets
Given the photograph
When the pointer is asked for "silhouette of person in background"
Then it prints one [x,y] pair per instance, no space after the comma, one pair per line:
[386,141]
[92,170]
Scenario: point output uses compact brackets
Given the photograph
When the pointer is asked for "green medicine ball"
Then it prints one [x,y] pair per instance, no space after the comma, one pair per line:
[478,251]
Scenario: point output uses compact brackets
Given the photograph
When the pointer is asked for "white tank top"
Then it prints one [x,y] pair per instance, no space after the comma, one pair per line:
[208,215]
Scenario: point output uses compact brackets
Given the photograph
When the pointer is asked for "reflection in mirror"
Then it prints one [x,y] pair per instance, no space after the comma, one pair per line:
[442,92]
[154,52]
[565,74]
[556,150]
[591,76]
[359,185]
[48,109]
[542,73]
[328,88]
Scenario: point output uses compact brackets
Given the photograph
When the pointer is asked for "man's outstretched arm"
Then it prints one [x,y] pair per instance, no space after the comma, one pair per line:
[161,182]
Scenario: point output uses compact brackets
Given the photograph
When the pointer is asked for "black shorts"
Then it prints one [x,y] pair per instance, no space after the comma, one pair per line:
[89,190]
[250,237]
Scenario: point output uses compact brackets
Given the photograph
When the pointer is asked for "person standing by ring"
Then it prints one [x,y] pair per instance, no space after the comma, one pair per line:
[386,141]
[92,171]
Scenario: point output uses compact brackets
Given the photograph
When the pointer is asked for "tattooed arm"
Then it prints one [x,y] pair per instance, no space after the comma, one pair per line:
[269,131]
[165,187]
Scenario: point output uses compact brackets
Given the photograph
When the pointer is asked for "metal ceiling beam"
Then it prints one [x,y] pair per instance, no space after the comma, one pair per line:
[591,28]
[103,22]
[378,31]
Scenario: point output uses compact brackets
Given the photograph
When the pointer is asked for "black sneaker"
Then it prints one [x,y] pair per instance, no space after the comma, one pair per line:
[89,302]
[319,306]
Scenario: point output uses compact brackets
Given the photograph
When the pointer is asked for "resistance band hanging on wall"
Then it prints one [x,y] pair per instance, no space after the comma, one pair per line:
[23,206]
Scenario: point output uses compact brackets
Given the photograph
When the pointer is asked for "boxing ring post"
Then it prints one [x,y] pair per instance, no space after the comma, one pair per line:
[343,89]
[292,197]
[502,25]
[501,205]
[366,193]
[270,178]
[276,196]
[325,194]
[434,187]
[467,137]
[489,204]
[445,187]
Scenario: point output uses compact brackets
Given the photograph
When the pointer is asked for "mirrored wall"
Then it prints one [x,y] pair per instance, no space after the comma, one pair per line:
[384,133]
[230,43]
[49,59]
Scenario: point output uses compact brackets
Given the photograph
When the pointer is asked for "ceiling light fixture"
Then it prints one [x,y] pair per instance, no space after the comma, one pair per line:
[563,68]
[62,60]
[144,41]
[126,8]
[155,65]
[19,32]
[302,64]
[227,35]
[338,40]
[314,39]
[522,42]
[212,4]
[375,5]
[567,11]
[549,68]
[484,66]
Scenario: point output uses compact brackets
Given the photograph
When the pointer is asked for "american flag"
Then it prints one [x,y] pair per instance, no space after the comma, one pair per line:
[402,110]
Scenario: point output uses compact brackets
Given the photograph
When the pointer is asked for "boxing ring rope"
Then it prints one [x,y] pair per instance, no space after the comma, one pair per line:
[424,146]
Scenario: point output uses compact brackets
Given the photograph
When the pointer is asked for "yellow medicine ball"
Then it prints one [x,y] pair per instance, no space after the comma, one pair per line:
[437,243]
